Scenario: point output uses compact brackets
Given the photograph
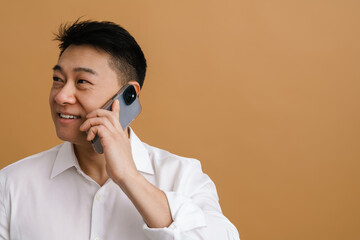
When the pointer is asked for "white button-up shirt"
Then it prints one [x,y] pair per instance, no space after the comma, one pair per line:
[47,196]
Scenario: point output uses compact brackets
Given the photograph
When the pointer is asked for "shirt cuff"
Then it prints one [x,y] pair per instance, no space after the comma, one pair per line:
[185,214]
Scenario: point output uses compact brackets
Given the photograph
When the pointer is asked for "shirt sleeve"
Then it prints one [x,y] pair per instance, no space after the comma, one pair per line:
[4,221]
[195,211]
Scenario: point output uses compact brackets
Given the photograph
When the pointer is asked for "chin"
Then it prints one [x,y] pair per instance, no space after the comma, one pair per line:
[69,137]
[66,138]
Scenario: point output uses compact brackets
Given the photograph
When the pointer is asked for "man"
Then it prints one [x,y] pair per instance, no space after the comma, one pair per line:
[131,191]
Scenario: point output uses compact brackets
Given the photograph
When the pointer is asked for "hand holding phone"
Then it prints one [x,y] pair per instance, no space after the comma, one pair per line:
[129,109]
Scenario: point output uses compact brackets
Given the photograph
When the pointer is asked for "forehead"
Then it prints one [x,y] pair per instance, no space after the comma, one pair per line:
[84,56]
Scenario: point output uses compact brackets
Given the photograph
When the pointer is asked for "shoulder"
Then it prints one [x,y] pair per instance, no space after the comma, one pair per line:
[31,165]
[168,160]
[177,173]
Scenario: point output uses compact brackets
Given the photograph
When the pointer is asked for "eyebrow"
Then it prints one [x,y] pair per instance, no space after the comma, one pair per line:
[78,69]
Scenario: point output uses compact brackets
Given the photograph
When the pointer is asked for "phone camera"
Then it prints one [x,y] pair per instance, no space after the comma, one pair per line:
[129,95]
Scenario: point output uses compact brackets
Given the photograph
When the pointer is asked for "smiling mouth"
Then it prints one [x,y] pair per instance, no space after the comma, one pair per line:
[64,116]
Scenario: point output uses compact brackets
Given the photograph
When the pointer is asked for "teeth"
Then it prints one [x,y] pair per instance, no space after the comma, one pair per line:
[68,116]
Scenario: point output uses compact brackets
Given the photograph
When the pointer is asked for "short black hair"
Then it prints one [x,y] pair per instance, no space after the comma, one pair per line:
[127,58]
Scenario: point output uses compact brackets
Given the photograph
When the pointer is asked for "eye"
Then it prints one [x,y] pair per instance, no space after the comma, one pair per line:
[56,79]
[81,81]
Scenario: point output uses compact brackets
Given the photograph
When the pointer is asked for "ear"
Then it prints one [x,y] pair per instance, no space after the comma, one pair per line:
[136,86]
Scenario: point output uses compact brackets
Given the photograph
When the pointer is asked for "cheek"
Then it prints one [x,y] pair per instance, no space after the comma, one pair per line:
[51,99]
[53,93]
[88,104]
[93,103]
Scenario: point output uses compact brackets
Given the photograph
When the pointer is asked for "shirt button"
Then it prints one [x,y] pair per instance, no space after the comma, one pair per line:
[98,197]
[96,238]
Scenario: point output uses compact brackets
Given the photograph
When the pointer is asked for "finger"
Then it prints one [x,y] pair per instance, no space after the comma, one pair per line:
[113,117]
[97,121]
[116,106]
[99,130]
[99,113]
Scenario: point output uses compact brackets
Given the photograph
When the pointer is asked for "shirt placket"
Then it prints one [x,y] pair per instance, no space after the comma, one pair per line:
[97,216]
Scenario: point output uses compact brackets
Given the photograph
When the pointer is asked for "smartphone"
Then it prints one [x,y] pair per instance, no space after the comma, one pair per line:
[129,109]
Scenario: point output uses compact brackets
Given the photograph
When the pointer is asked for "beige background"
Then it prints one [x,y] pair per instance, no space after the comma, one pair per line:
[264,93]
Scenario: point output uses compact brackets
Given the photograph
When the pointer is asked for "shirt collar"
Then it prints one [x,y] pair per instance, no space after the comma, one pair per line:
[66,158]
[140,154]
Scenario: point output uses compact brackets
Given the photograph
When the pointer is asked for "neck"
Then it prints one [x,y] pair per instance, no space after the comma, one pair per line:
[92,163]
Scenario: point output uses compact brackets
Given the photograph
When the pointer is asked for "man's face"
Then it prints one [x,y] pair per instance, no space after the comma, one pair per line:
[83,82]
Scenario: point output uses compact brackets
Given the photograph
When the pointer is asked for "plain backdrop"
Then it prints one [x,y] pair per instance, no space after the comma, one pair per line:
[265,93]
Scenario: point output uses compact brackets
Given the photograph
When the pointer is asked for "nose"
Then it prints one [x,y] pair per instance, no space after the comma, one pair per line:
[66,95]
